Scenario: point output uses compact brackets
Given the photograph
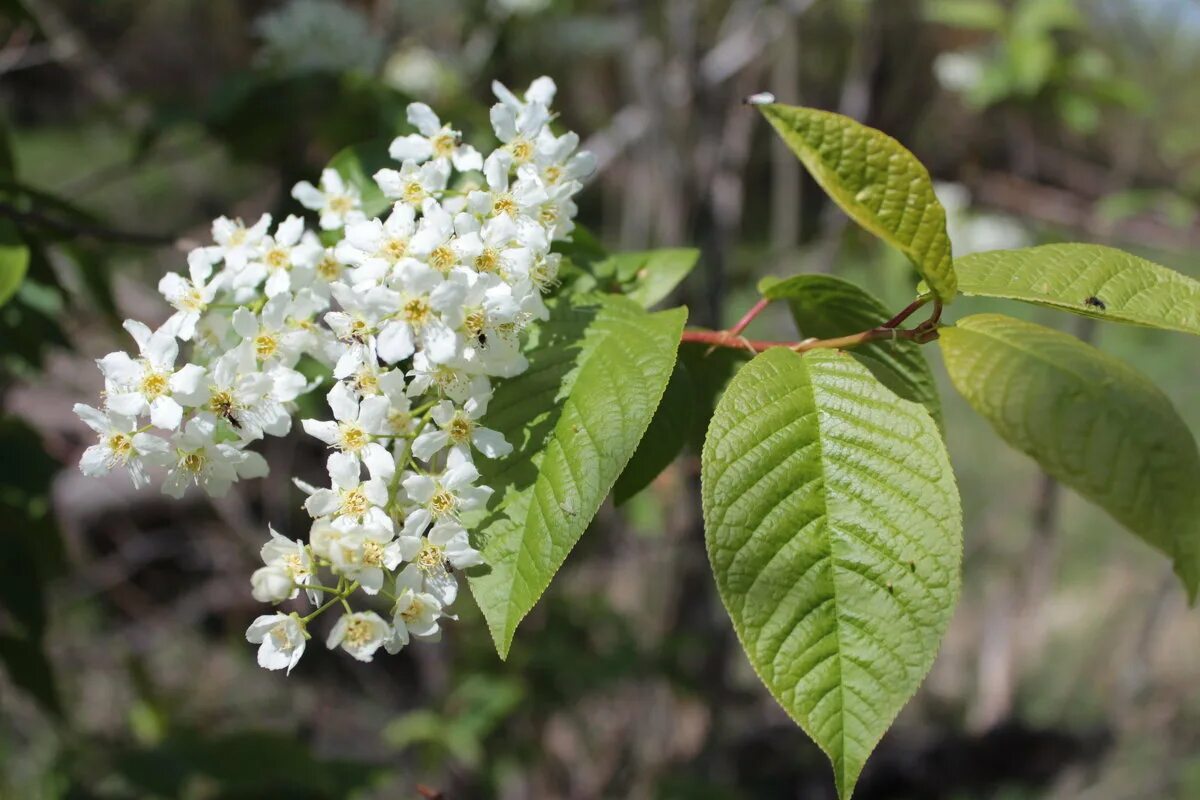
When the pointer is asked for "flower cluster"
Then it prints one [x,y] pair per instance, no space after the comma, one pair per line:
[410,316]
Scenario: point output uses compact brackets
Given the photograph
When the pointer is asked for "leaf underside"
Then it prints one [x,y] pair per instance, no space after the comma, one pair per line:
[1087,279]
[834,529]
[1089,420]
[598,369]
[877,182]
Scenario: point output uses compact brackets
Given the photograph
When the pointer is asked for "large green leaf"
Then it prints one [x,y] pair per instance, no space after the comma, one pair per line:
[834,529]
[827,307]
[597,370]
[1088,279]
[14,260]
[1091,421]
[358,164]
[876,181]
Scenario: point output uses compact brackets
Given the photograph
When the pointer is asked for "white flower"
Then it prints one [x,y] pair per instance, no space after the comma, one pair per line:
[433,140]
[287,567]
[413,183]
[415,612]
[519,123]
[459,428]
[120,445]
[426,298]
[274,341]
[200,460]
[281,639]
[286,260]
[360,634]
[558,163]
[446,548]
[351,496]
[375,247]
[190,298]
[542,91]
[445,496]
[356,425]
[357,323]
[236,244]
[363,552]
[146,385]
[337,202]
[524,197]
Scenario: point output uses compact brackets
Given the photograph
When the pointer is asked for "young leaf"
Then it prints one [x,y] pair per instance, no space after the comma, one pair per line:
[650,275]
[1087,279]
[664,439]
[876,181]
[597,370]
[358,164]
[827,307]
[1091,421]
[14,260]
[834,529]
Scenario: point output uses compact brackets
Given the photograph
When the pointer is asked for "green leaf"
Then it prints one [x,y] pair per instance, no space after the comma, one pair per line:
[827,307]
[664,439]
[710,370]
[1091,421]
[597,370]
[834,529]
[981,15]
[877,182]
[1067,276]
[649,276]
[357,164]
[14,260]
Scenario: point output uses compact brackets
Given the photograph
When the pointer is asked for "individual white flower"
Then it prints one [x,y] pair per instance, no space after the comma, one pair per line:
[433,140]
[413,182]
[374,247]
[400,420]
[460,428]
[454,383]
[434,241]
[190,298]
[147,384]
[360,634]
[351,496]
[494,246]
[446,548]
[236,244]
[281,639]
[212,466]
[517,123]
[541,91]
[120,444]
[355,424]
[523,197]
[235,392]
[443,497]
[415,612]
[337,202]
[273,340]
[287,567]
[428,303]
[287,260]
[363,552]
[558,160]
[357,323]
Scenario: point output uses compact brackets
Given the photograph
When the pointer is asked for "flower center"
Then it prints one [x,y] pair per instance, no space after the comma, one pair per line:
[295,565]
[366,381]
[354,502]
[544,275]
[121,446]
[329,269]
[442,503]
[488,260]
[521,149]
[474,321]
[416,311]
[358,633]
[432,557]
[154,384]
[194,461]
[460,428]
[505,204]
[394,248]
[352,437]
[413,611]
[443,258]
[341,203]
[222,404]
[399,421]
[443,145]
[192,300]
[278,258]
[238,236]
[282,637]
[553,174]
[372,553]
[265,345]
[548,215]
[413,193]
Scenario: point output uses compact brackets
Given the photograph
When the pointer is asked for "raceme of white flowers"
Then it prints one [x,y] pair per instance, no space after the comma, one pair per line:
[409,316]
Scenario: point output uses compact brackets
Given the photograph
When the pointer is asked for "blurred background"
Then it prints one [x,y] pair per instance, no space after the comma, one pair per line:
[1071,667]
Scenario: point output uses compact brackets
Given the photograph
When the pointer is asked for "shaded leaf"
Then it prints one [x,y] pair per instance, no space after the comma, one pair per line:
[357,164]
[649,276]
[1091,421]
[664,439]
[14,260]
[835,533]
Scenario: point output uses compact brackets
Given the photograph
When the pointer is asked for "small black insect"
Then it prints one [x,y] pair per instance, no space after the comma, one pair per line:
[481,337]
[1095,302]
